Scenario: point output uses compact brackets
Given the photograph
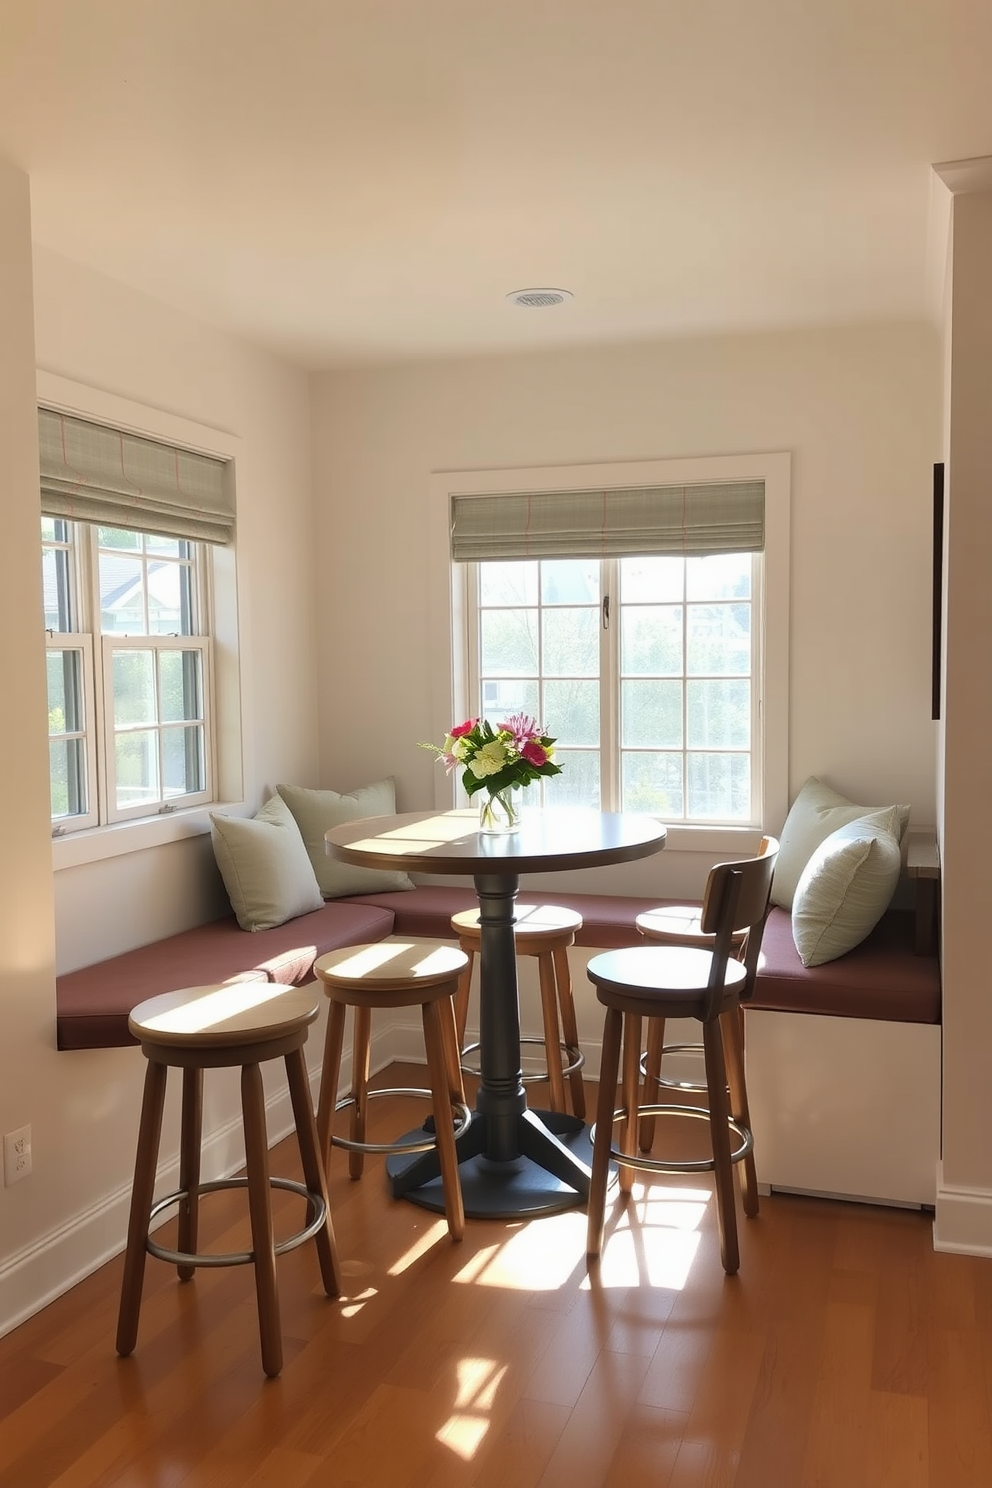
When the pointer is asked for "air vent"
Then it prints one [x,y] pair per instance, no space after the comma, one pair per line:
[539,299]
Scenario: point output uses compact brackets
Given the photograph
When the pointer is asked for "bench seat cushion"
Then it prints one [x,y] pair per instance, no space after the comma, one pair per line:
[93,1003]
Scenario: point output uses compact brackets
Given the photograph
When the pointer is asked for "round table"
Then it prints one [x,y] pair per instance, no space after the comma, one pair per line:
[513,1161]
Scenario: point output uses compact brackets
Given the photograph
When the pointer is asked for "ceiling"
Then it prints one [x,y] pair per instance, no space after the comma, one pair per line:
[355,181]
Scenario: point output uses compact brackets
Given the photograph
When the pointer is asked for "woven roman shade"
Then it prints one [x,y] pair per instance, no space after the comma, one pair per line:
[92,473]
[692,520]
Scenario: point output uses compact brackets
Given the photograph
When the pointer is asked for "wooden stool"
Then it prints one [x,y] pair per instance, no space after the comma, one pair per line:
[545,931]
[216,1027]
[655,982]
[395,974]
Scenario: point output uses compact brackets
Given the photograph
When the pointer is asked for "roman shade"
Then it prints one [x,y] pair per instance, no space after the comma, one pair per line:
[92,473]
[688,520]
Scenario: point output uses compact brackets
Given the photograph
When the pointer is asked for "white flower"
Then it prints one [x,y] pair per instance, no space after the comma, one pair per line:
[489,760]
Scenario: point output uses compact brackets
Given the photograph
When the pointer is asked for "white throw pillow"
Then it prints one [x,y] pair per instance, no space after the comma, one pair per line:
[316,811]
[265,867]
[846,887]
[816,812]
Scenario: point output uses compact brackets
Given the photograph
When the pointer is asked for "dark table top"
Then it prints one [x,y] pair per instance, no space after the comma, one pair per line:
[556,837]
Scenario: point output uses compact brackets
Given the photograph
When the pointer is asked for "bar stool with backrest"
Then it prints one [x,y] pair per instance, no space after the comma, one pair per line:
[219,1027]
[679,925]
[653,982]
[545,931]
[395,974]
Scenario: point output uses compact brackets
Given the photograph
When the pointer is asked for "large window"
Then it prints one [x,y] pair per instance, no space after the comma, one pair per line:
[126,532]
[640,613]
[645,669]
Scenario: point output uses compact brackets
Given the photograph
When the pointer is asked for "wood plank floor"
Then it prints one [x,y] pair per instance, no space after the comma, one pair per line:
[846,1354]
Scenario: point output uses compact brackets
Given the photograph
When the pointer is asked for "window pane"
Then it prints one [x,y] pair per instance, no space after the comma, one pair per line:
[651,580]
[570,581]
[571,711]
[121,596]
[67,766]
[578,783]
[511,695]
[136,757]
[171,547]
[180,690]
[571,643]
[168,608]
[182,761]
[651,640]
[720,786]
[718,714]
[652,782]
[508,583]
[134,687]
[651,715]
[119,537]
[718,639]
[509,643]
[720,576]
[56,589]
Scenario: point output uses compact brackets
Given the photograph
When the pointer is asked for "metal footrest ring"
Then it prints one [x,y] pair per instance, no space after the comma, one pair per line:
[574,1055]
[461,1113]
[678,1165]
[694,1087]
[316,1215]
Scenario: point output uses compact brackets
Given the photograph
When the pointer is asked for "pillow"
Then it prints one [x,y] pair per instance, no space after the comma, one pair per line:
[846,887]
[265,867]
[816,812]
[317,810]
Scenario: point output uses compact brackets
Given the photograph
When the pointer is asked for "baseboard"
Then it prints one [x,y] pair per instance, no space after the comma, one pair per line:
[962,1219]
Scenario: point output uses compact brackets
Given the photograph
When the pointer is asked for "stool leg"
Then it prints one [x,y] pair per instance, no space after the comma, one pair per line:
[313,1168]
[733,1053]
[443,1121]
[723,1172]
[629,1100]
[149,1135]
[552,1045]
[652,1076]
[189,1167]
[361,1058]
[605,1105]
[452,1048]
[260,1210]
[570,1029]
[463,994]
[329,1075]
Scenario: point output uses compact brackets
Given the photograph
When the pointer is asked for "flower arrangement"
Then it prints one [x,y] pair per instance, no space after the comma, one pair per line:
[498,760]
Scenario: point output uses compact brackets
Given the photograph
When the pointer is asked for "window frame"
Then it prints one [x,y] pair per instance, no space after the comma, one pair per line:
[451,614]
[220,575]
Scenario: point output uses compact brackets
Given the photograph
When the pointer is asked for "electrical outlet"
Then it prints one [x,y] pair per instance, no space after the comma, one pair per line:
[16,1155]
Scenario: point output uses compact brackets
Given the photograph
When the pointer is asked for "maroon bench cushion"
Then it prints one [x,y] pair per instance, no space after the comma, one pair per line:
[93,1003]
[882,978]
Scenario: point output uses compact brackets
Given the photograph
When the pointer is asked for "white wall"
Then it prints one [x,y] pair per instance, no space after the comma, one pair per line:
[858,410]
[83,1106]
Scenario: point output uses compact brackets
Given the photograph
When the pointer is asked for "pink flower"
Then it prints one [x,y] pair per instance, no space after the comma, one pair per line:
[534,753]
[522,727]
[460,729]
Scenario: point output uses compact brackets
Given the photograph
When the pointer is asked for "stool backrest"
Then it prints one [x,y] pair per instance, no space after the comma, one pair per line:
[737,898]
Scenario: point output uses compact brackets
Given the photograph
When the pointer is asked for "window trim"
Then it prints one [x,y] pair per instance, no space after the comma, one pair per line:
[92,844]
[450,614]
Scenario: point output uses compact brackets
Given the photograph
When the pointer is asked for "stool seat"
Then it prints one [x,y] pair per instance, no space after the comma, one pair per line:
[394,973]
[210,1027]
[679,924]
[545,931]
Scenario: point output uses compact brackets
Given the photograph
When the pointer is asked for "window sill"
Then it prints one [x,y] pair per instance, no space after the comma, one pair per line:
[735,842]
[97,843]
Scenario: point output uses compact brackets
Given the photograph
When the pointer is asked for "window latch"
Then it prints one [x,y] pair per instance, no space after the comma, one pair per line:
[606,612]
[164,810]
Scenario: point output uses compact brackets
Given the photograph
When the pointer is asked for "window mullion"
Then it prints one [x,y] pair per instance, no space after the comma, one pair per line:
[609,685]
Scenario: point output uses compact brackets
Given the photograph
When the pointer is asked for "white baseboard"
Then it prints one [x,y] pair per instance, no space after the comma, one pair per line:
[962,1219]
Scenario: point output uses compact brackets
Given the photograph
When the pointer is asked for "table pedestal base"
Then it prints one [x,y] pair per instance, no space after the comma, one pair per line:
[550,1174]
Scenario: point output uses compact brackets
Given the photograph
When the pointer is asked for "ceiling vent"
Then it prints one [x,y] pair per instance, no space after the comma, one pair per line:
[539,299]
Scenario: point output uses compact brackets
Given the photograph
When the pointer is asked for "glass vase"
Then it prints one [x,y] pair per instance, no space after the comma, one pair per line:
[499,813]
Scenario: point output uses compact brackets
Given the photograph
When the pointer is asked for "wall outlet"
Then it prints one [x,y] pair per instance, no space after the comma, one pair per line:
[16,1155]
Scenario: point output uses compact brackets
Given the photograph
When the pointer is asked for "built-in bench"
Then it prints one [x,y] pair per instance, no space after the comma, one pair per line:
[843,1059]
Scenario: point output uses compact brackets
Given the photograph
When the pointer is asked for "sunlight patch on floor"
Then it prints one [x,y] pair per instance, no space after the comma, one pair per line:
[478,1383]
[539,1257]
[653,1239]
[420,1247]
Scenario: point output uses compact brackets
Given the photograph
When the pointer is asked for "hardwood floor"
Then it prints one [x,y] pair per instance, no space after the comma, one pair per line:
[846,1354]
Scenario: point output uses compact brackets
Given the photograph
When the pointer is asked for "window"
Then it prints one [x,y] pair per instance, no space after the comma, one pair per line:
[641,613]
[644,668]
[127,604]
